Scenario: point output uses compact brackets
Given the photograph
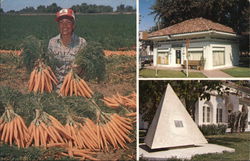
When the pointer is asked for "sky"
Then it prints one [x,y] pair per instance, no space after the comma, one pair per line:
[147,20]
[20,4]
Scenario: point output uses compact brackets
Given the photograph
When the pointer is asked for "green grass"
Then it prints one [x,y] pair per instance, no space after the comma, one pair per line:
[239,141]
[149,73]
[112,31]
[238,71]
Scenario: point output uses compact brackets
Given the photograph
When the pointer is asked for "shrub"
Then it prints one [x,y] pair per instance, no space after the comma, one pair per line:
[213,129]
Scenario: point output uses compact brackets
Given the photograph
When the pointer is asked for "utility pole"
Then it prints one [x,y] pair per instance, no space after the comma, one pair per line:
[187,46]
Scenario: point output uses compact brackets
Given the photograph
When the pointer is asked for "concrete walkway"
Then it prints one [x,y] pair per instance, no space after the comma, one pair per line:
[182,153]
[215,74]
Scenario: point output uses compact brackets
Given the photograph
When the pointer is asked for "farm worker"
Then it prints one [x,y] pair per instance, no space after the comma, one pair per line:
[66,45]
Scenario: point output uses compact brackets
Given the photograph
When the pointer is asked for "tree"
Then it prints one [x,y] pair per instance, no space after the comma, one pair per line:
[120,8]
[41,9]
[1,10]
[233,13]
[53,8]
[188,91]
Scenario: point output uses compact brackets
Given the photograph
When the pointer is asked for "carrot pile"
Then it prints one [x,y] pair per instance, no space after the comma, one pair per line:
[127,53]
[13,129]
[16,52]
[73,84]
[41,78]
[45,129]
[114,132]
[117,100]
[79,139]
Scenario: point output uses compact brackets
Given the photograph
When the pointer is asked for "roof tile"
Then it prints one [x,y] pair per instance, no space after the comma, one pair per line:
[192,25]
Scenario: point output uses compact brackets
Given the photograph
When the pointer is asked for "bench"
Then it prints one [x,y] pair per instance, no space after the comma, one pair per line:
[192,64]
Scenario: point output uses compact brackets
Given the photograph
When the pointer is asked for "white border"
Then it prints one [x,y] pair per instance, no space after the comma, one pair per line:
[137,79]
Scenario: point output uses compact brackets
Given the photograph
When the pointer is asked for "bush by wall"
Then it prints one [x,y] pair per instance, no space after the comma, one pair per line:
[213,129]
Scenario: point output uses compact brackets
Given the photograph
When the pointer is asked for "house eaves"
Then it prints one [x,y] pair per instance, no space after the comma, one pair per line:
[192,34]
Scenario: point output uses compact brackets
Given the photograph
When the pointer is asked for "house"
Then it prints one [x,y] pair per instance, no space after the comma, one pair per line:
[211,44]
[218,108]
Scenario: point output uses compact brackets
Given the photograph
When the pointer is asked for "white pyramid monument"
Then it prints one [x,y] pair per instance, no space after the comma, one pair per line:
[172,125]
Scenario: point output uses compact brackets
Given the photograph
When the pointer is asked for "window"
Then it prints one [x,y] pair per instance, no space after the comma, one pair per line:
[208,114]
[203,113]
[195,55]
[163,58]
[219,115]
[218,58]
[178,123]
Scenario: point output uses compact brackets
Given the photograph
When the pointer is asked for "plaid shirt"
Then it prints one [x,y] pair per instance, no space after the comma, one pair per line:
[65,55]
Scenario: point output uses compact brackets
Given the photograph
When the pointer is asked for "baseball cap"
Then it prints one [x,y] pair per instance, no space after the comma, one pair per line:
[65,12]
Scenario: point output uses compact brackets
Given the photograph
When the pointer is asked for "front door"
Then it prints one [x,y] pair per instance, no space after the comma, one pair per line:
[178,56]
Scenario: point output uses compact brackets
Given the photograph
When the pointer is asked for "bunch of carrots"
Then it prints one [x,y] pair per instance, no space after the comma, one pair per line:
[45,130]
[127,53]
[16,52]
[78,139]
[41,78]
[110,130]
[13,129]
[73,84]
[117,101]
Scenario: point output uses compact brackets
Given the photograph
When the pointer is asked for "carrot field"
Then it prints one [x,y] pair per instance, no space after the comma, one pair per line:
[70,124]
[112,31]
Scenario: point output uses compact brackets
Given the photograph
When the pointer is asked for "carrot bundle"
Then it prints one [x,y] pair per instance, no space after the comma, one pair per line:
[114,132]
[83,135]
[13,129]
[117,100]
[73,84]
[79,154]
[41,78]
[45,130]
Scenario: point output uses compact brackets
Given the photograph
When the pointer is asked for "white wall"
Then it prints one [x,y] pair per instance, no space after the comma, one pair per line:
[231,52]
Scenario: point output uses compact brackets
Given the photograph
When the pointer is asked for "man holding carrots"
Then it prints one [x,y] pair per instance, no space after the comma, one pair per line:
[66,45]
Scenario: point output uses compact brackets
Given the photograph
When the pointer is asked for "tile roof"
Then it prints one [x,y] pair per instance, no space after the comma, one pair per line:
[192,25]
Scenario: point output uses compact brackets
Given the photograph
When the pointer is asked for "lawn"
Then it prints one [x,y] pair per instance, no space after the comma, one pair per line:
[149,73]
[238,71]
[239,141]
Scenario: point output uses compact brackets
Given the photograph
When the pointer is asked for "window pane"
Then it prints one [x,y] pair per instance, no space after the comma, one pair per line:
[163,58]
[218,58]
[203,114]
[208,114]
[195,55]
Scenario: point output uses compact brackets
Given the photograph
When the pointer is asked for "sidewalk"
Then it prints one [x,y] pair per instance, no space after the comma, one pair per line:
[215,74]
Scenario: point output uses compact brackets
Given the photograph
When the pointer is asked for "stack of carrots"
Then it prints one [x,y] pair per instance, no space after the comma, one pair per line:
[117,101]
[115,132]
[126,53]
[41,78]
[78,139]
[73,84]
[45,130]
[13,129]
[16,52]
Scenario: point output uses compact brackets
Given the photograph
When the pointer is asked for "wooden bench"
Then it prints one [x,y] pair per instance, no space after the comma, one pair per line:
[192,64]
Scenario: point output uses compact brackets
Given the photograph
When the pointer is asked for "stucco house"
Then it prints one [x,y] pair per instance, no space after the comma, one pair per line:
[211,44]
[218,108]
